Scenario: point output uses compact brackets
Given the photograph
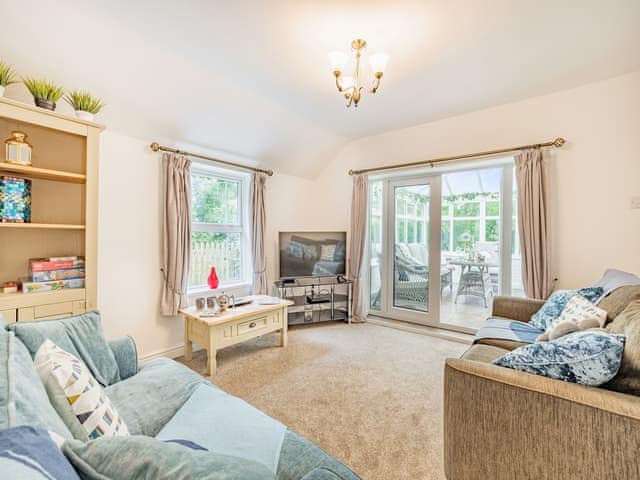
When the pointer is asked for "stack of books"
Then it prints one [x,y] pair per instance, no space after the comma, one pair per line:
[54,273]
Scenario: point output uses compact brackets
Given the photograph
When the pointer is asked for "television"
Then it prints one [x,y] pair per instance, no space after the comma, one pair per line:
[312,254]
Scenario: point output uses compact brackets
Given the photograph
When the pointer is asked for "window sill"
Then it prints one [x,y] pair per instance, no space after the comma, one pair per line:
[238,289]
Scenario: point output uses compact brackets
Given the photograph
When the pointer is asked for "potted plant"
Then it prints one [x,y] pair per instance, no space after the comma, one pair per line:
[45,93]
[7,76]
[85,105]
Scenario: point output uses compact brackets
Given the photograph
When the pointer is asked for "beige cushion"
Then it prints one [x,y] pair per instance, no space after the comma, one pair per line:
[504,344]
[617,301]
[628,323]
[483,353]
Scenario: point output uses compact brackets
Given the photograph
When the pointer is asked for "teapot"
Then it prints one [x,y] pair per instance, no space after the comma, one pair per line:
[224,300]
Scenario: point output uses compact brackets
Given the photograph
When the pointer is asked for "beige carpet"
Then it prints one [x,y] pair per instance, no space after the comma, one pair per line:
[369,395]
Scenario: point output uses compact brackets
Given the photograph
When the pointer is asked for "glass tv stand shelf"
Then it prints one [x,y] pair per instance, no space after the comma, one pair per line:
[316,299]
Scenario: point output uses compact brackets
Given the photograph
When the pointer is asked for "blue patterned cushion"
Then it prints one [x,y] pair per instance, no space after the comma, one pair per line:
[557,301]
[28,453]
[590,358]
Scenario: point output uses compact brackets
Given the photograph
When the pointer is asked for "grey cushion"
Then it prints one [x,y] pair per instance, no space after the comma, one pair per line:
[149,399]
[628,323]
[23,399]
[300,457]
[126,355]
[140,457]
[80,335]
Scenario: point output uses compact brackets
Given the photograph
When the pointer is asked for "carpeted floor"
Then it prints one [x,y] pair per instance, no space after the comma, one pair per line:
[369,395]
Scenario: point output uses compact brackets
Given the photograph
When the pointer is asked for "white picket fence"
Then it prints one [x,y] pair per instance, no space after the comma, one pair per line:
[205,255]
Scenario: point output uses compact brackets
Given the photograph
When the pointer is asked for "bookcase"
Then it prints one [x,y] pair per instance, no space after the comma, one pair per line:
[64,208]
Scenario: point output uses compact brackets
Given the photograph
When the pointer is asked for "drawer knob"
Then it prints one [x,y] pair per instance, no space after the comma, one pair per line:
[252,324]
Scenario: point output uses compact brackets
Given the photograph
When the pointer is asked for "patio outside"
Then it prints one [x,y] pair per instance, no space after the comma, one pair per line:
[470,270]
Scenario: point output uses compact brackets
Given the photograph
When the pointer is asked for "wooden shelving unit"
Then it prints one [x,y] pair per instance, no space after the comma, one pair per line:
[45,226]
[42,173]
[64,208]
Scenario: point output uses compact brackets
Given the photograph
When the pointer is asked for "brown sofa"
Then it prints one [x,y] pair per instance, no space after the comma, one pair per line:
[506,424]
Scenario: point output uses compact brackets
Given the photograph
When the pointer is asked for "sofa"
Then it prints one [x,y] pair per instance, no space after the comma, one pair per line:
[161,399]
[501,423]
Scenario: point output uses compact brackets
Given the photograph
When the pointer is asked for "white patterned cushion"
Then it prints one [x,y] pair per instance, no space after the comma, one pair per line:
[578,310]
[76,395]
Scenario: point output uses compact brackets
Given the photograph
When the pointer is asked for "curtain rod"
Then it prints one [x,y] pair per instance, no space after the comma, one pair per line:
[558,142]
[155,146]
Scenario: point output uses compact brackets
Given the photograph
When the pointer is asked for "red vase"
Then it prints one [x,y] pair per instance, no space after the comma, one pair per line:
[213,279]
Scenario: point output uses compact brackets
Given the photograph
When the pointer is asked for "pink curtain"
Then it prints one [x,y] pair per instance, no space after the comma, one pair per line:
[532,177]
[176,248]
[357,244]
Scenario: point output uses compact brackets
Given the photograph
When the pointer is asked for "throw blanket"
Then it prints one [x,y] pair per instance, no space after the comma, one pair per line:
[505,329]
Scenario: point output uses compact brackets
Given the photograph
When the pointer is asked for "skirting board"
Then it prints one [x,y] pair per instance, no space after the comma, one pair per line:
[174,352]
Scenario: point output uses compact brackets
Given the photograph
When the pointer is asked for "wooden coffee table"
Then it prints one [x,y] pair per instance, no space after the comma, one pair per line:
[236,325]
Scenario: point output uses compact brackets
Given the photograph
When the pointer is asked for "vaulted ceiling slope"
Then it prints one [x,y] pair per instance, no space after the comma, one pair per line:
[252,78]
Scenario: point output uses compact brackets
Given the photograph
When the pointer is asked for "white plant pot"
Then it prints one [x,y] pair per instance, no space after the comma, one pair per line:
[1,91]
[86,116]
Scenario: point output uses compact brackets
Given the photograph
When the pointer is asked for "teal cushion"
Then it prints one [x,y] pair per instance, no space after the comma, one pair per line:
[126,355]
[80,335]
[149,399]
[589,357]
[23,399]
[300,457]
[142,457]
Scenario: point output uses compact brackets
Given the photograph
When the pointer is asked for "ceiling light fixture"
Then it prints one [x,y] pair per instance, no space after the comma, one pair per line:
[351,86]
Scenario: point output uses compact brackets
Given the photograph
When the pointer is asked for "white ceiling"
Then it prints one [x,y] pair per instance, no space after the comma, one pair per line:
[252,77]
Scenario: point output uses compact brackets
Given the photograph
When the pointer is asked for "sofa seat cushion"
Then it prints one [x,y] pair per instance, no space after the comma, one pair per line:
[140,457]
[227,425]
[484,353]
[80,335]
[628,323]
[499,343]
[149,399]
[23,399]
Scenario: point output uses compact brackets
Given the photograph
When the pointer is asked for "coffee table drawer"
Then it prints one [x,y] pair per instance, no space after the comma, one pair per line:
[251,326]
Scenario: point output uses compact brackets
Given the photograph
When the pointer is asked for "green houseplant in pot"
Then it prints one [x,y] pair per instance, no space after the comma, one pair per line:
[85,105]
[45,93]
[7,76]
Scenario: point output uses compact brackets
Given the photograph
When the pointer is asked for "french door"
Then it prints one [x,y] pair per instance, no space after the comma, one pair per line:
[441,246]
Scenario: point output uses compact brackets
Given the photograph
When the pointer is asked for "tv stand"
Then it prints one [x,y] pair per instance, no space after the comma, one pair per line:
[316,299]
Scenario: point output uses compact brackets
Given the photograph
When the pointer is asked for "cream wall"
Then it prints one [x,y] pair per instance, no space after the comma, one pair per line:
[594,176]
[130,236]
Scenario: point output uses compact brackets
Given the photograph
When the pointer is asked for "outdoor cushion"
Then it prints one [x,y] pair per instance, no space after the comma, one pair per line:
[149,399]
[225,424]
[80,335]
[23,399]
[140,457]
[28,453]
[628,323]
[77,397]
[589,358]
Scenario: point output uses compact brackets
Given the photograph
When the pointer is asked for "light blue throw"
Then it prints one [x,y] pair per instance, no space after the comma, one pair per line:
[227,425]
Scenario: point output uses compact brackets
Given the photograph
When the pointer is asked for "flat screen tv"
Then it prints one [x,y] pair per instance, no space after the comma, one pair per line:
[312,254]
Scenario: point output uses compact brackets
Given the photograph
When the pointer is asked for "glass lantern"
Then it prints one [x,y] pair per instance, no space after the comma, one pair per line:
[18,150]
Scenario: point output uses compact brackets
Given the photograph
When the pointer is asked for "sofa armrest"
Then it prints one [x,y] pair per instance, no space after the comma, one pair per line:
[126,353]
[490,409]
[515,308]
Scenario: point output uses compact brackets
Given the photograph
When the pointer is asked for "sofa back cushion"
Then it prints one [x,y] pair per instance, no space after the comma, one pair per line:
[628,323]
[23,399]
[80,335]
[616,301]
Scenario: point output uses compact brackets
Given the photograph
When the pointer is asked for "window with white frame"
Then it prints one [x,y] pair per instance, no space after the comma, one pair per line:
[219,226]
